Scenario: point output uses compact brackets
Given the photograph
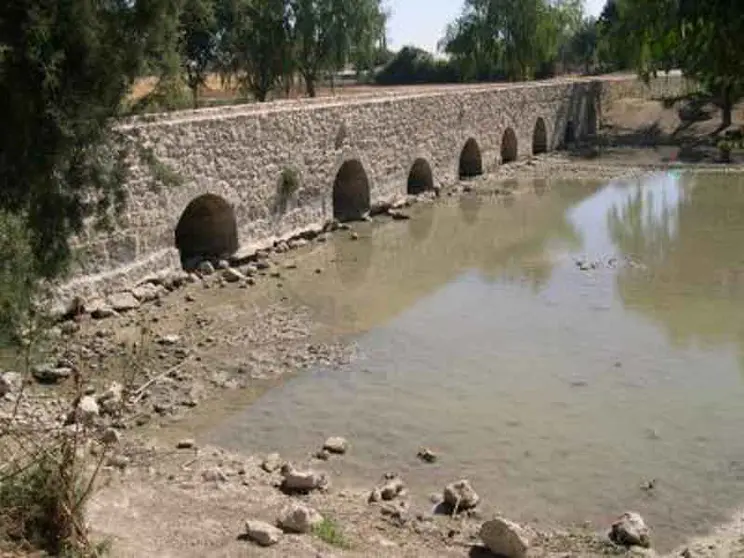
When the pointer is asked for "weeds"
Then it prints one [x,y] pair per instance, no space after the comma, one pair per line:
[331,533]
[289,184]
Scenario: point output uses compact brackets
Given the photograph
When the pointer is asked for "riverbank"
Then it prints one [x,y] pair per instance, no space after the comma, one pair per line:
[204,346]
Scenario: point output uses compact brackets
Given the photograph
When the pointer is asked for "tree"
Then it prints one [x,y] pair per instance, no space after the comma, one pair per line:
[65,69]
[703,39]
[261,45]
[198,42]
[330,33]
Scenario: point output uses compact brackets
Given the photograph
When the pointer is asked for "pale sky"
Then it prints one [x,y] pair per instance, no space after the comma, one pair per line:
[422,22]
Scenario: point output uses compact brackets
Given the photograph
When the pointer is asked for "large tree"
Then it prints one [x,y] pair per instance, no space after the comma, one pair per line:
[65,68]
[198,42]
[703,39]
[331,33]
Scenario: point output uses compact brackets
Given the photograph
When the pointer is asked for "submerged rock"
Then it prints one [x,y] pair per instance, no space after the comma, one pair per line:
[460,496]
[630,530]
[505,538]
[336,444]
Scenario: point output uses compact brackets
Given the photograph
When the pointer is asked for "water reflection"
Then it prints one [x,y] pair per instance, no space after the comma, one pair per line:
[688,232]
[470,204]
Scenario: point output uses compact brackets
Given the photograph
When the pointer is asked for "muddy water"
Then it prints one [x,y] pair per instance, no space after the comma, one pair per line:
[557,388]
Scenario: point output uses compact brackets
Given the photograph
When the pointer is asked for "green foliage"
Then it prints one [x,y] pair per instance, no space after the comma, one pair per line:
[331,533]
[17,277]
[516,39]
[65,69]
[42,503]
[703,39]
[198,28]
[412,65]
[161,172]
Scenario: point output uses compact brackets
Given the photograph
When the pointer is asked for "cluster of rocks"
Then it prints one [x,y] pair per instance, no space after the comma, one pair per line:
[296,518]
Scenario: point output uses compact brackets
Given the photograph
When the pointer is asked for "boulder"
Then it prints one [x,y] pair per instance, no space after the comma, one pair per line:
[99,309]
[50,374]
[302,481]
[87,410]
[205,268]
[460,496]
[631,530]
[214,474]
[392,487]
[505,538]
[336,444]
[112,399]
[232,275]
[10,382]
[123,302]
[273,462]
[262,533]
[146,292]
[299,518]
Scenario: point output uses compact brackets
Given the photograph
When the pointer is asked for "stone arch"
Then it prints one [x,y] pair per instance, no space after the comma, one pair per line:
[206,230]
[351,191]
[471,161]
[420,177]
[539,137]
[509,147]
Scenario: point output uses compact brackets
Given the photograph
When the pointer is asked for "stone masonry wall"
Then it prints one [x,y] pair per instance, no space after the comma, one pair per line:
[239,153]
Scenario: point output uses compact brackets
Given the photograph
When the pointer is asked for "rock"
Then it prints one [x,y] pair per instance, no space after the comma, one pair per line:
[395,514]
[273,462]
[323,455]
[392,488]
[99,309]
[354,235]
[375,496]
[630,530]
[49,374]
[222,264]
[299,518]
[123,302]
[87,410]
[336,444]
[297,243]
[205,268]
[398,215]
[146,292]
[169,340]
[111,437]
[186,443]
[460,496]
[302,481]
[112,399]
[10,382]
[215,474]
[118,461]
[425,454]
[262,533]
[232,275]
[505,538]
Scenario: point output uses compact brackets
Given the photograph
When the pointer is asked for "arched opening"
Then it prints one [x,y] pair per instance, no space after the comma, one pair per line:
[569,135]
[471,163]
[539,138]
[207,230]
[420,178]
[508,146]
[351,199]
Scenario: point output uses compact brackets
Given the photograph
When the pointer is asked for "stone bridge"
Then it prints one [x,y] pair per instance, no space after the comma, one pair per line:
[250,175]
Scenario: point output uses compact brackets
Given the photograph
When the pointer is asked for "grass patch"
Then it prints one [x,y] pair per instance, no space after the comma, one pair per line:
[331,533]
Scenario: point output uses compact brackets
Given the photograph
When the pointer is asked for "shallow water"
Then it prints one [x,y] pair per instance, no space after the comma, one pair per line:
[556,390]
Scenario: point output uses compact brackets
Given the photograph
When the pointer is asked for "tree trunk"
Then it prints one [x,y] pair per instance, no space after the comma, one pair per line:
[195,96]
[726,106]
[310,85]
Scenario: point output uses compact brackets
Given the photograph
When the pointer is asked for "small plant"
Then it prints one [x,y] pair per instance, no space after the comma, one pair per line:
[289,183]
[329,532]
[161,172]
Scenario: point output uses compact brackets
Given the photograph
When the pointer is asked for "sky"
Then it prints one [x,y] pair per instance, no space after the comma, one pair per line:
[422,22]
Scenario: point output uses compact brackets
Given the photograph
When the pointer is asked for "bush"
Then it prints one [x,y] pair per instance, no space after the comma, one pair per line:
[414,66]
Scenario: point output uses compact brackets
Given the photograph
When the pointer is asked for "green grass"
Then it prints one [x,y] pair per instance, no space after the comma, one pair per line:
[331,533]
